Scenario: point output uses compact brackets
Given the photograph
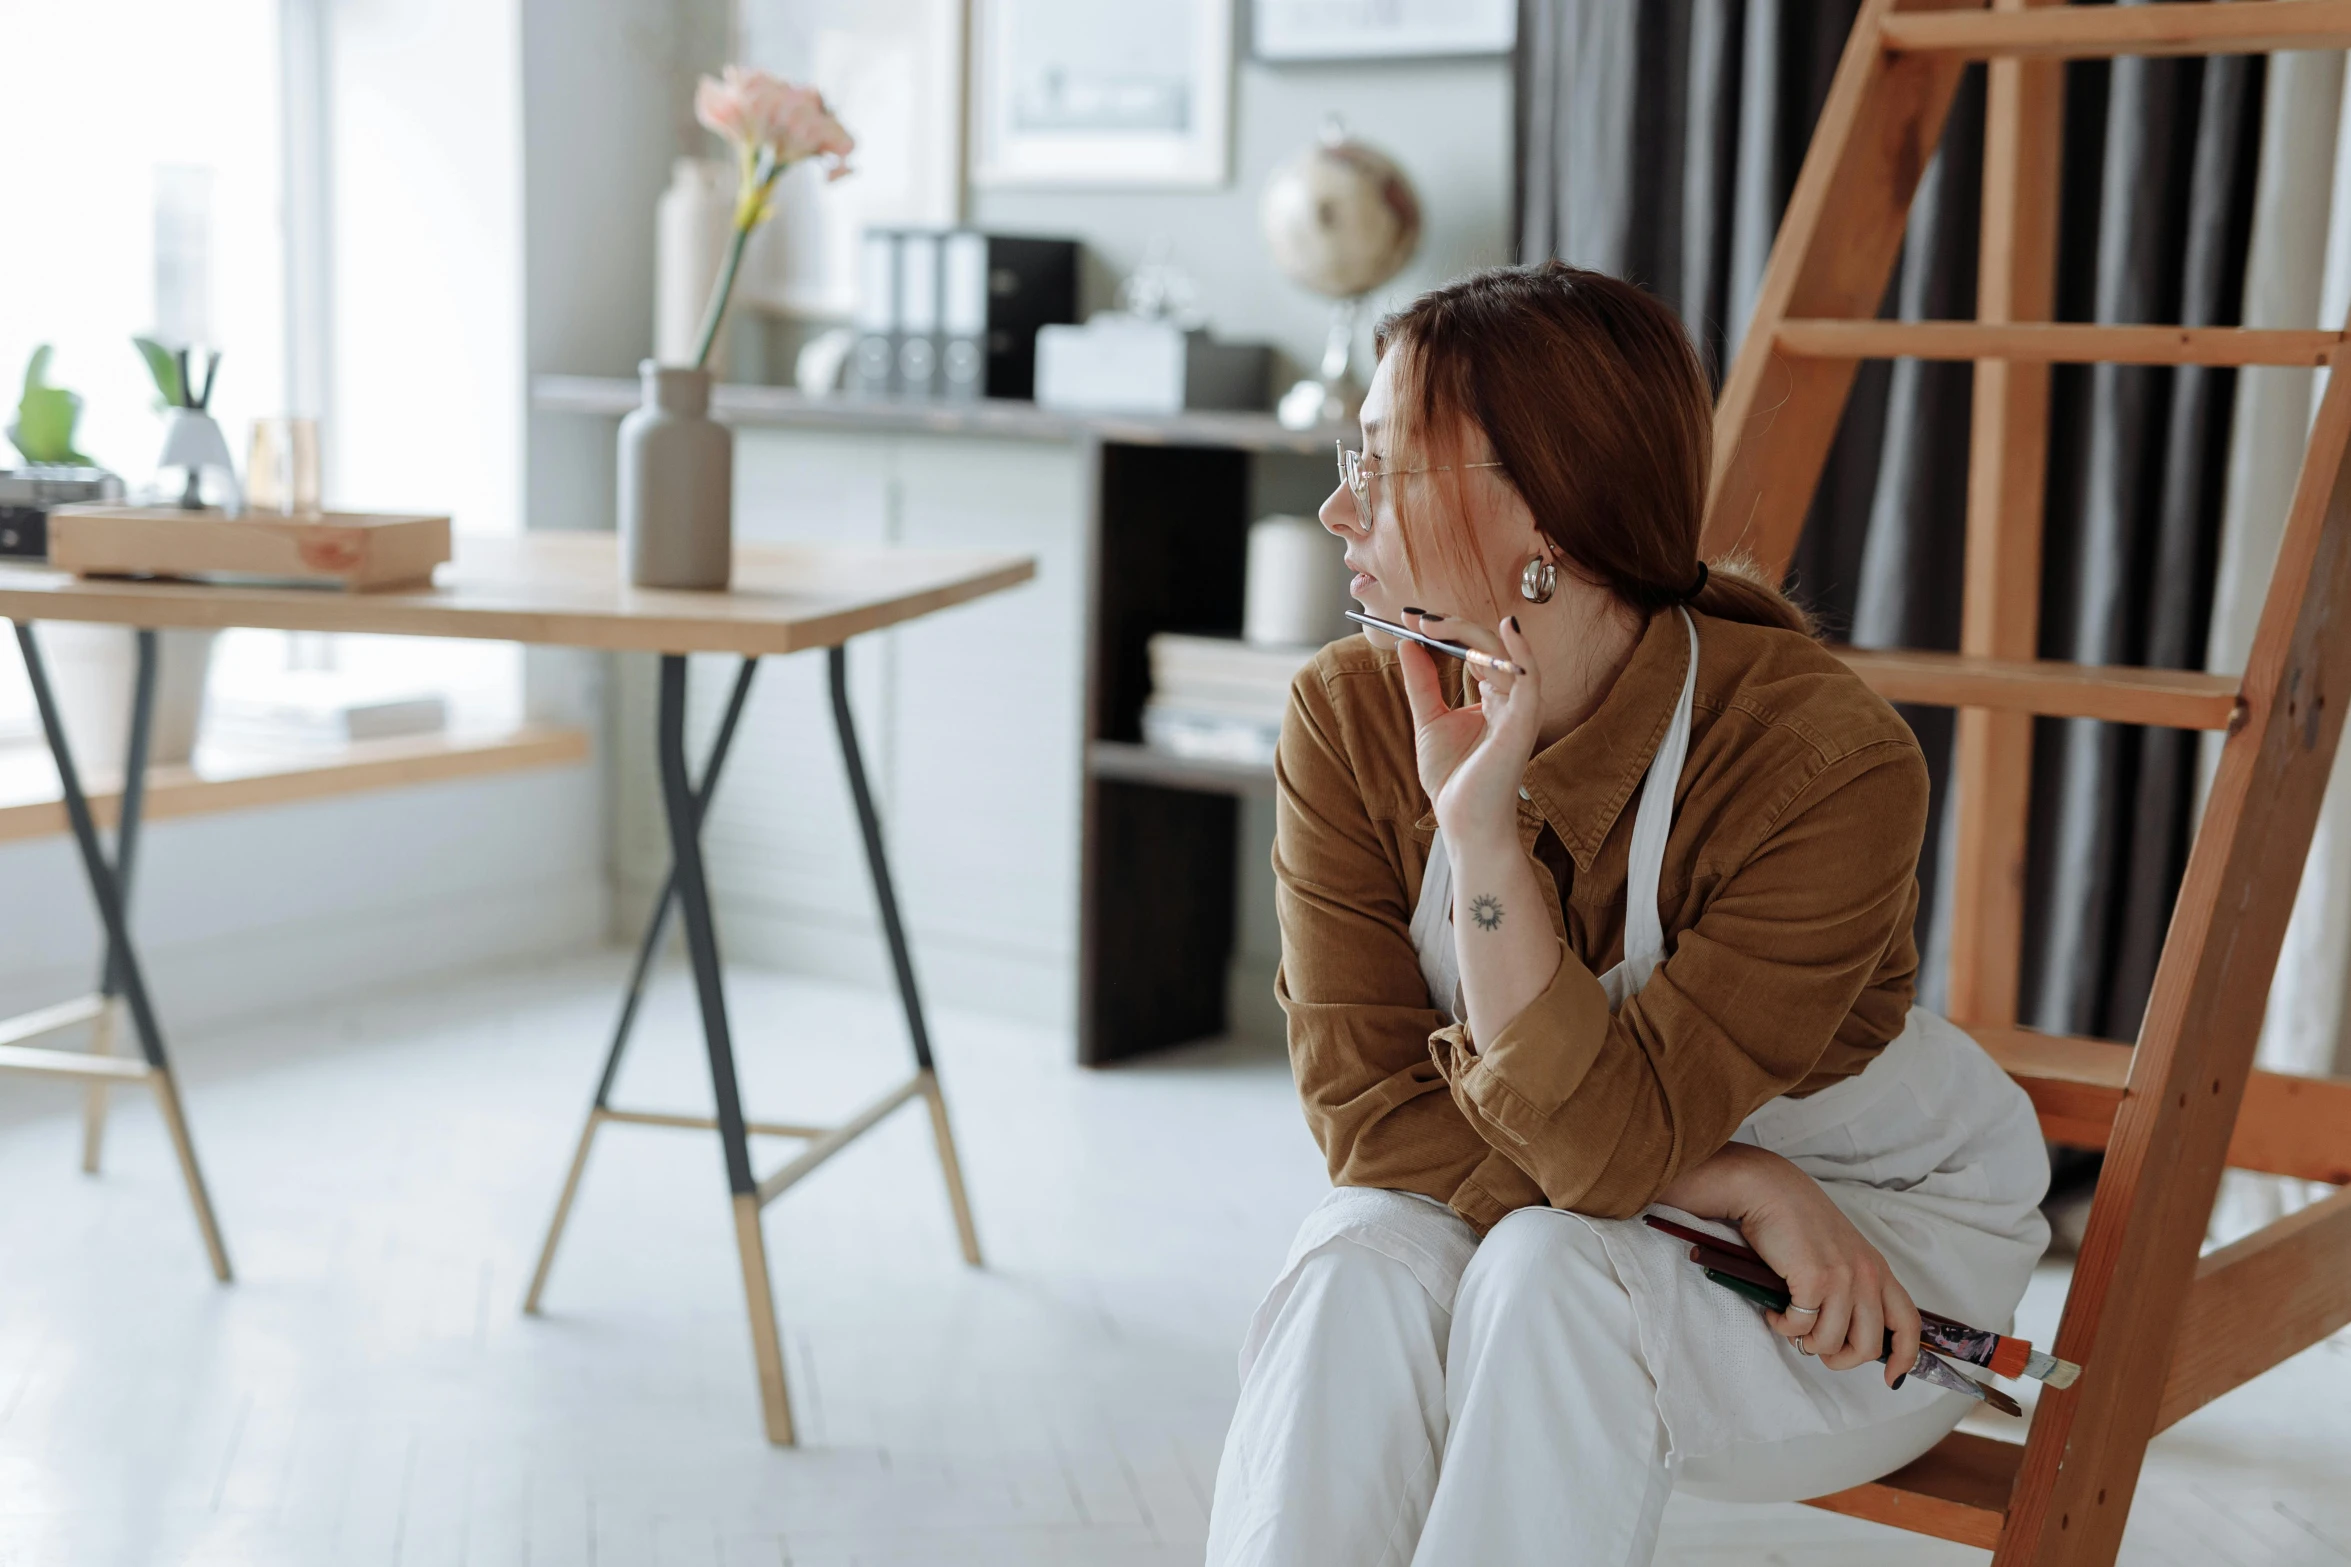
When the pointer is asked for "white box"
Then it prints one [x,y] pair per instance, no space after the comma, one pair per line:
[1129,364]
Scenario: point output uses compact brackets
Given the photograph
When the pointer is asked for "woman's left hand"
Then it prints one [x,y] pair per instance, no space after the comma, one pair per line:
[1807,1240]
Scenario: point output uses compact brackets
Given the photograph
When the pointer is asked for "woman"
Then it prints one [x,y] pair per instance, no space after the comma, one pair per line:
[1632,927]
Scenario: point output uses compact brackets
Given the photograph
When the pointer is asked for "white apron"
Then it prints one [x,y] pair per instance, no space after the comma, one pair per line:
[1932,1152]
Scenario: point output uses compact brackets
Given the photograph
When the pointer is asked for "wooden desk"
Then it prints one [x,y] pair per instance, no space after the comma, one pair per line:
[562,589]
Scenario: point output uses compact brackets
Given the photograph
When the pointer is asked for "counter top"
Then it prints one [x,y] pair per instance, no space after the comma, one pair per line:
[781,406]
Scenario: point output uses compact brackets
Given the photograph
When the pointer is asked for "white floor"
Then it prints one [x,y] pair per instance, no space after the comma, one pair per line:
[368,1392]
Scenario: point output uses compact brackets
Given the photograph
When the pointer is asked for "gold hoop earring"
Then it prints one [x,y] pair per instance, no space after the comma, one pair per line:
[1538,580]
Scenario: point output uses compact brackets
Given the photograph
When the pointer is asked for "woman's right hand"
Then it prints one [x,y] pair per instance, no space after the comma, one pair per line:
[1472,758]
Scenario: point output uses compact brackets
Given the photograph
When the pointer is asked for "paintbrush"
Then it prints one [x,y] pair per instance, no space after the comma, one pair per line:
[1928,1367]
[1471,656]
[1998,1353]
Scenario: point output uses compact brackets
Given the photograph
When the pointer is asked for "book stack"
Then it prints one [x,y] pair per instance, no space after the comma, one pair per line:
[1219,699]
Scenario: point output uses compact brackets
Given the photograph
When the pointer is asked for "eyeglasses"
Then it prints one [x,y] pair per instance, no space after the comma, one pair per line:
[1357,477]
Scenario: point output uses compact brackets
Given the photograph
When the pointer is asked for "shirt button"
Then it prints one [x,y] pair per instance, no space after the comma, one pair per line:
[1522,794]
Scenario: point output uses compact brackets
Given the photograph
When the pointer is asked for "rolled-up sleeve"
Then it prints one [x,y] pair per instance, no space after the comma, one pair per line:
[1602,1111]
[1350,983]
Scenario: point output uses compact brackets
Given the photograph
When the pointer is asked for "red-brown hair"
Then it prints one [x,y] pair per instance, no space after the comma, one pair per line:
[1600,415]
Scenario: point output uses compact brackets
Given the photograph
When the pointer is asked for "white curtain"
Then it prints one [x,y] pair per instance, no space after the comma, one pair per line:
[2298,274]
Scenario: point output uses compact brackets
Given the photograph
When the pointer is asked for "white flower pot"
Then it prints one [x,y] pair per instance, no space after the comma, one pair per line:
[92,669]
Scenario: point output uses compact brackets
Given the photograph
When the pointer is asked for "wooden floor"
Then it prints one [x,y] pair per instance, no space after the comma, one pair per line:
[369,1392]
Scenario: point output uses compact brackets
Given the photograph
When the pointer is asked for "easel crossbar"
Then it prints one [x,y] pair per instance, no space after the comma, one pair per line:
[2092,32]
[2043,342]
[2287,1125]
[2260,1301]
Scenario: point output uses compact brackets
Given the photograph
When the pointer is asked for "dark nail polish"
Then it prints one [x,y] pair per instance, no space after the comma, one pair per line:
[1414,609]
[1514,630]
[1898,1381]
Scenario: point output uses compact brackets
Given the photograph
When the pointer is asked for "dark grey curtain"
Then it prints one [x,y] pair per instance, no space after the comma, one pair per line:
[2158,194]
[1660,141]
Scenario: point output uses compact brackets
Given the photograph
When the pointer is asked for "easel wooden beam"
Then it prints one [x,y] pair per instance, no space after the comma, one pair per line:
[2000,604]
[2195,1050]
[1777,415]
[2259,1301]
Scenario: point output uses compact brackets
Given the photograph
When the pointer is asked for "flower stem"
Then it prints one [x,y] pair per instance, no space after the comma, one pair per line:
[718,296]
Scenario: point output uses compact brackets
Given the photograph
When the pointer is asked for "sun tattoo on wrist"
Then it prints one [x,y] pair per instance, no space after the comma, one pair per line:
[1486,909]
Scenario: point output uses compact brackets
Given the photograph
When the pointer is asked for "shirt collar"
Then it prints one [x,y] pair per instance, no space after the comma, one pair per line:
[1581,781]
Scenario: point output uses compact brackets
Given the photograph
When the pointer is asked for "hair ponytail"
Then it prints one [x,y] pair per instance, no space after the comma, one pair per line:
[1598,409]
[1735,590]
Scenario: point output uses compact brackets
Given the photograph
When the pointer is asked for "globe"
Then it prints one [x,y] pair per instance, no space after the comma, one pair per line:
[1340,218]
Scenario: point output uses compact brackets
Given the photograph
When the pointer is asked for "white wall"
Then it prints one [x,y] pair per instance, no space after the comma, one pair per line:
[607,91]
[1447,123]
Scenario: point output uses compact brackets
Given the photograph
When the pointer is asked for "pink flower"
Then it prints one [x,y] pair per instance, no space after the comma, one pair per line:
[759,112]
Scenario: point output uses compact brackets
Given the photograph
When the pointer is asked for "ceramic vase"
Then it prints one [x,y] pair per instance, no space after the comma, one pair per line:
[677,488]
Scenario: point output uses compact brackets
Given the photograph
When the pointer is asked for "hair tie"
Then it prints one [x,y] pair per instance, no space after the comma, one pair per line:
[1697,587]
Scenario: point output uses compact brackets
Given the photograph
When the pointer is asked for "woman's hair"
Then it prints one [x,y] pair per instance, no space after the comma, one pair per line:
[1600,415]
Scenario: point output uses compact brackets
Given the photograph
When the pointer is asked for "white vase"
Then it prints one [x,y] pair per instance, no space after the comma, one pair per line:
[93,669]
[677,485]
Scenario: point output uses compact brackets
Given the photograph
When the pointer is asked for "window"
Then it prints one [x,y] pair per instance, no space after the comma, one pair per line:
[337,209]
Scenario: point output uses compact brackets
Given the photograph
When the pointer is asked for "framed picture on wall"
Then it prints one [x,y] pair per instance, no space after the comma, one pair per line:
[1101,92]
[892,70]
[1288,30]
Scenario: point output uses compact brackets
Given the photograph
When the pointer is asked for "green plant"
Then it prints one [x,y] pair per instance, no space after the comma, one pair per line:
[45,417]
[165,367]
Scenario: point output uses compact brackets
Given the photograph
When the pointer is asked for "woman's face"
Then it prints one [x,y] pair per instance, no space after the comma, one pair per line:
[1449,582]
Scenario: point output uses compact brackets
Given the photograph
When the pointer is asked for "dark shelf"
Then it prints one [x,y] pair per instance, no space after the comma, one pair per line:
[1128,762]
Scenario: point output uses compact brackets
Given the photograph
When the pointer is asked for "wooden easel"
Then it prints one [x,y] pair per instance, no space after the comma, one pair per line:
[2160,1332]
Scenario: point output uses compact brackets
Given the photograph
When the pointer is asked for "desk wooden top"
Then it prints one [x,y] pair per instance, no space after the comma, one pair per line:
[564,589]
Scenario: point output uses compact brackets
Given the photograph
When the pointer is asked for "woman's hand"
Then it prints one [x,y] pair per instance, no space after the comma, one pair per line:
[1808,1241]
[1472,757]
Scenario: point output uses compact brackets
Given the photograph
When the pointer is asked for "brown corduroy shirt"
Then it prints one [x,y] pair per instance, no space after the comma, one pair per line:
[1788,893]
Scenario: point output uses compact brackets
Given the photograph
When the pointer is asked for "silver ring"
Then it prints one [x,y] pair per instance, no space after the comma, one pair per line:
[1803,1348]
[1810,1311]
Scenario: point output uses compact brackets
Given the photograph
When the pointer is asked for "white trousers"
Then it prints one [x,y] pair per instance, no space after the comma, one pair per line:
[1376,1427]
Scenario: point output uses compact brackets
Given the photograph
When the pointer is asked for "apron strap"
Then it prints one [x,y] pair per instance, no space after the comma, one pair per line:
[1432,933]
[1644,928]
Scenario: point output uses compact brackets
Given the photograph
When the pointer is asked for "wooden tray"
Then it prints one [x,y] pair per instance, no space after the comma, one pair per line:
[352,550]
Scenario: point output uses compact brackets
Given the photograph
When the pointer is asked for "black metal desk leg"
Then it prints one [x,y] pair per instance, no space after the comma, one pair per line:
[106,892]
[693,894]
[599,1109]
[126,846]
[877,863]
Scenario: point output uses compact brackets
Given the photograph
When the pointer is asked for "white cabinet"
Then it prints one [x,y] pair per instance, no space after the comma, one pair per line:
[971,723]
